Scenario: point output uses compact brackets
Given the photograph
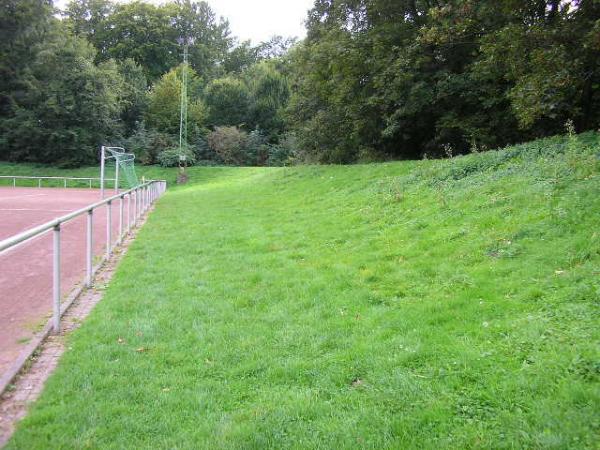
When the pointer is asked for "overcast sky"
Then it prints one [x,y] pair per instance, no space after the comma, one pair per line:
[256,20]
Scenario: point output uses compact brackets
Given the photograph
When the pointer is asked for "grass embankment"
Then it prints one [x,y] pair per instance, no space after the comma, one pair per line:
[424,304]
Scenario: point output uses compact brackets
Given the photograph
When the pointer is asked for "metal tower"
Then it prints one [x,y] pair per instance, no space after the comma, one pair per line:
[184,105]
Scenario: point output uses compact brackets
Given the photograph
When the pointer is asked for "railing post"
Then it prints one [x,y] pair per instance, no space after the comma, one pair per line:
[108,228]
[135,209]
[89,248]
[120,220]
[56,280]
[102,157]
[129,212]
[116,175]
[65,180]
[14,182]
[39,182]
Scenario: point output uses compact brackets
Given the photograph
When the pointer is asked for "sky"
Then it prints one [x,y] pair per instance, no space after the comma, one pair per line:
[256,20]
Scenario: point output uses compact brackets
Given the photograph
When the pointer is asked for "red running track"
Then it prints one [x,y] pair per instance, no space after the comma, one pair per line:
[26,270]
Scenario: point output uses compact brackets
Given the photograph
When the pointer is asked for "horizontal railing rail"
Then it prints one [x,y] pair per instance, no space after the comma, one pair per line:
[89,180]
[139,200]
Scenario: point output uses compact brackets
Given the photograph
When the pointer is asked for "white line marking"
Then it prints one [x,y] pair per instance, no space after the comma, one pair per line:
[39,210]
[21,196]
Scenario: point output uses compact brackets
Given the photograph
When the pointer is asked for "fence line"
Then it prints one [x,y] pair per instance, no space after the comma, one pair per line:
[14,179]
[143,196]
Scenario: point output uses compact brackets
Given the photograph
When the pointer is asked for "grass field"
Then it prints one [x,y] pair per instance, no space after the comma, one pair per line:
[433,304]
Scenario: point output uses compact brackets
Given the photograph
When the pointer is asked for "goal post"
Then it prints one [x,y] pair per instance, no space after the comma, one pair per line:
[124,164]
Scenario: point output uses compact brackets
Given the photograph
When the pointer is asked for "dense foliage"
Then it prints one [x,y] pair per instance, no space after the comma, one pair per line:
[108,72]
[404,78]
[374,79]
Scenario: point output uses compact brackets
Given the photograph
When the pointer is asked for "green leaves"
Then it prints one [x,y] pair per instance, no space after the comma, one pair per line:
[151,35]
[228,101]
[405,78]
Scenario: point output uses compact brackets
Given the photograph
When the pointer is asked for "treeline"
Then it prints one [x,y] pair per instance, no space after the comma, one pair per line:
[374,79]
[407,78]
[104,72]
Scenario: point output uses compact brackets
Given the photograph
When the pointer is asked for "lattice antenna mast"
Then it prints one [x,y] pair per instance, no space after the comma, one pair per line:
[184,106]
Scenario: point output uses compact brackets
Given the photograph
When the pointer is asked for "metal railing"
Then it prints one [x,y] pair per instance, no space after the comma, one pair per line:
[139,199]
[89,180]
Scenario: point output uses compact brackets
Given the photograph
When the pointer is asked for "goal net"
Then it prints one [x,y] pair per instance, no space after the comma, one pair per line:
[124,167]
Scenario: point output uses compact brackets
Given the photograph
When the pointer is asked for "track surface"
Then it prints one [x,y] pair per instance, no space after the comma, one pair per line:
[26,270]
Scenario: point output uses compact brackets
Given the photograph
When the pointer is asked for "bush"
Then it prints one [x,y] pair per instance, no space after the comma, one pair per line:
[257,149]
[170,157]
[230,144]
[204,153]
[284,153]
[148,144]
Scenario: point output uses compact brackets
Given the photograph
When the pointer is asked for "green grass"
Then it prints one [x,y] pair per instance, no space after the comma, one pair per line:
[42,170]
[433,304]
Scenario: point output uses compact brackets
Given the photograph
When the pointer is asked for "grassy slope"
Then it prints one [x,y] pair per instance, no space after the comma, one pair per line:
[431,304]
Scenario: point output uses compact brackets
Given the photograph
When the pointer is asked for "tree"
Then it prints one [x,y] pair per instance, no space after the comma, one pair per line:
[89,19]
[228,101]
[405,78]
[210,39]
[270,94]
[164,101]
[134,97]
[144,33]
[240,58]
[549,65]
[23,25]
[153,35]
[276,47]
[70,107]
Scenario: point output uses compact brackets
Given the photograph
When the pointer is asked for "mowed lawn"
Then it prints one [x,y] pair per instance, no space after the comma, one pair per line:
[433,304]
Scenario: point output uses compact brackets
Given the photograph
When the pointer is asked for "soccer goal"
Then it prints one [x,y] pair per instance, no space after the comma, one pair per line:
[124,164]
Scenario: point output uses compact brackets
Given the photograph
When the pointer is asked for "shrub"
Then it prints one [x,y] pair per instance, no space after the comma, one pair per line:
[148,144]
[204,153]
[170,157]
[257,149]
[229,143]
[285,152]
